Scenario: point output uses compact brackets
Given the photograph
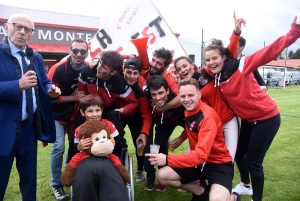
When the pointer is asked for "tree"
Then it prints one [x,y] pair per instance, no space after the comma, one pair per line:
[296,55]
[290,56]
[280,57]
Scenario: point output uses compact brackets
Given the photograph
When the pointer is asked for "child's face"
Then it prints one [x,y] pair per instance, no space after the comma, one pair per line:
[93,112]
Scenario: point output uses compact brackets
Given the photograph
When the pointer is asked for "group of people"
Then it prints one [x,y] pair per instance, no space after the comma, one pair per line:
[224,112]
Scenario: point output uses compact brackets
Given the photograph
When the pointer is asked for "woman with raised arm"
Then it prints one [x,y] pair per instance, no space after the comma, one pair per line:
[211,95]
[248,101]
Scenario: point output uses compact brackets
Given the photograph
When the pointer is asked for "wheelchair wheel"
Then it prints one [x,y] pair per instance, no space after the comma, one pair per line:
[129,167]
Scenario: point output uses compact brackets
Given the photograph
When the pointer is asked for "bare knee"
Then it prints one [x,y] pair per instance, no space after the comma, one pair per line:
[166,174]
[161,175]
[214,197]
[218,193]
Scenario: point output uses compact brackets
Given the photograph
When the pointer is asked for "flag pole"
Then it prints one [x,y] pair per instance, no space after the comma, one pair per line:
[168,26]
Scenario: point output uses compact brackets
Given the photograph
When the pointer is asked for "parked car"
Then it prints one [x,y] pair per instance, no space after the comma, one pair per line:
[295,78]
[291,77]
[276,76]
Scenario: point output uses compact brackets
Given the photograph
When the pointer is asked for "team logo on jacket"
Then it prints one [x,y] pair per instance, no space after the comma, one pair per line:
[192,125]
[109,87]
[225,75]
[202,80]
[91,79]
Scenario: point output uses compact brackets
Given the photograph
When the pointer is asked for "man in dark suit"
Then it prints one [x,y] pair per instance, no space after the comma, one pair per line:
[25,105]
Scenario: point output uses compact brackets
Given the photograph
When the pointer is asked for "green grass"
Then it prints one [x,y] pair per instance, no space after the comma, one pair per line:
[281,164]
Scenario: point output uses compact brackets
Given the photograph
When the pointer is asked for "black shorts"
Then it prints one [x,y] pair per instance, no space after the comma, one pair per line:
[221,174]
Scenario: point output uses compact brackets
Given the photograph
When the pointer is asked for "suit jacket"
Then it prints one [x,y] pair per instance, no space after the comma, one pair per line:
[11,97]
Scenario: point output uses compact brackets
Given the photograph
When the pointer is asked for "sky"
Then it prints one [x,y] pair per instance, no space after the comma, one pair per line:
[266,19]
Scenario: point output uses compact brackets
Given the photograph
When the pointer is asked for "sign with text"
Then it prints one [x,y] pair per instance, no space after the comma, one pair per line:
[138,19]
[54,35]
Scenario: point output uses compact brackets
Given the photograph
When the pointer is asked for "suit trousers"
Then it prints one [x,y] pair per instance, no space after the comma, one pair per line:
[25,152]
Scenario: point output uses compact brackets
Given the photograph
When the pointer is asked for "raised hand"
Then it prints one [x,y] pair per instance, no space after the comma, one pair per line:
[238,23]
[295,20]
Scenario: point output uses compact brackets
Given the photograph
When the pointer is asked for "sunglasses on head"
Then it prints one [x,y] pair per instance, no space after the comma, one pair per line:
[82,52]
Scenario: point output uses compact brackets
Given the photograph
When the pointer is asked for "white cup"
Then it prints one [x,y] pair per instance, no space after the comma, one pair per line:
[154,148]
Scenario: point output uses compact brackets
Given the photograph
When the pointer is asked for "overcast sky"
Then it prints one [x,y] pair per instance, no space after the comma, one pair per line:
[266,19]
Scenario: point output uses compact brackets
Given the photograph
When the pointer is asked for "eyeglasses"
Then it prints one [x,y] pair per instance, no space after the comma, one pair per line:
[82,52]
[19,27]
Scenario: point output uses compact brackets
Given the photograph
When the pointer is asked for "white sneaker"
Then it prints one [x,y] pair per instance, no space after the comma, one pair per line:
[242,190]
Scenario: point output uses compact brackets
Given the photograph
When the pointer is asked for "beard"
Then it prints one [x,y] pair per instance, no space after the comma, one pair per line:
[156,71]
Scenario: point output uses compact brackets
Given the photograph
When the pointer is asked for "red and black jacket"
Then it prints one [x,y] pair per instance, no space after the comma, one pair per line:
[66,78]
[108,90]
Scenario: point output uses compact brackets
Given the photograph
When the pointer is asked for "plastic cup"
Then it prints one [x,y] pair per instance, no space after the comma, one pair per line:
[154,148]
[139,146]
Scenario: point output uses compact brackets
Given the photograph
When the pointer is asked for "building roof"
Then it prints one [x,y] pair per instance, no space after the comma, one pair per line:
[290,63]
[50,48]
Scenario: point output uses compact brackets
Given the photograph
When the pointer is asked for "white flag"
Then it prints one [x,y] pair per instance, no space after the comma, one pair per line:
[137,20]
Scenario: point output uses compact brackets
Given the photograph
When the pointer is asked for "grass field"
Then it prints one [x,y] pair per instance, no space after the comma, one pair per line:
[281,164]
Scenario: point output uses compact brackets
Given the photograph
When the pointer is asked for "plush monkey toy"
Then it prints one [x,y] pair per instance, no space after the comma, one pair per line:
[102,146]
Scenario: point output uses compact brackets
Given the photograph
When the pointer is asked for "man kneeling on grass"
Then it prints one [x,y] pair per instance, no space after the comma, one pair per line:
[208,159]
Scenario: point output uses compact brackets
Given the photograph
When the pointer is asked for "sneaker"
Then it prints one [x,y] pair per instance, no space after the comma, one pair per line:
[160,188]
[150,184]
[140,176]
[242,190]
[59,193]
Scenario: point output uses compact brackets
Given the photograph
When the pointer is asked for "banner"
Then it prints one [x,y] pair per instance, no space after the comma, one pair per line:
[138,19]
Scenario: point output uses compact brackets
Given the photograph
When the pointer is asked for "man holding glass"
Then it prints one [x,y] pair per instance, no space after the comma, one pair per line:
[209,157]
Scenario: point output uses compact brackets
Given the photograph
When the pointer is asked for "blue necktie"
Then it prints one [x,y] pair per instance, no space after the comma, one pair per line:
[28,91]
